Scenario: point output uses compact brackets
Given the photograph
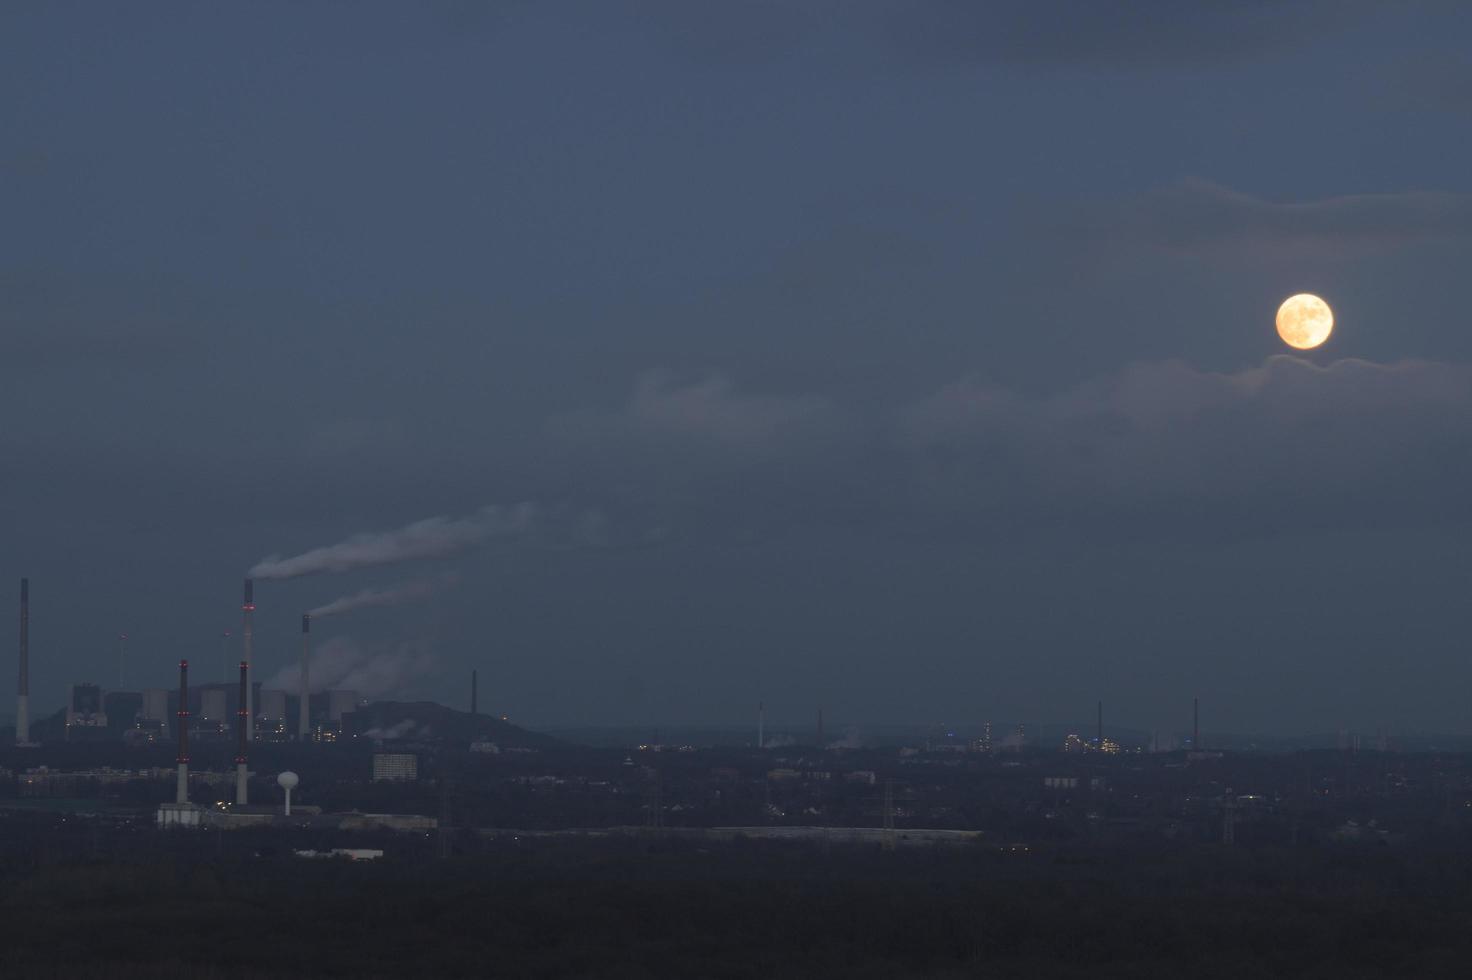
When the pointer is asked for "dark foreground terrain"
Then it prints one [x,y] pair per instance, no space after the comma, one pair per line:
[198,905]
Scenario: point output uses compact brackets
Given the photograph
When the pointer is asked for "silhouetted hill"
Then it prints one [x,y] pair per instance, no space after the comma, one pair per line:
[427,721]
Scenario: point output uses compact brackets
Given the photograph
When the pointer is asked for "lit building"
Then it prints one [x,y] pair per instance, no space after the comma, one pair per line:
[84,708]
[1076,743]
[395,767]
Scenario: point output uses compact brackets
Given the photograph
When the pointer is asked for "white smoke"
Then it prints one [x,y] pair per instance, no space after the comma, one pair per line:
[399,730]
[850,740]
[434,537]
[392,595]
[340,664]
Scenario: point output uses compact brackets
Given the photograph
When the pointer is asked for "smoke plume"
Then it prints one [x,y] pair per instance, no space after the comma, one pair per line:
[401,729]
[434,537]
[393,595]
[851,740]
[340,664]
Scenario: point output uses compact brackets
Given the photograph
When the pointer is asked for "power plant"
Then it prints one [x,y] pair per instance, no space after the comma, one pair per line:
[214,711]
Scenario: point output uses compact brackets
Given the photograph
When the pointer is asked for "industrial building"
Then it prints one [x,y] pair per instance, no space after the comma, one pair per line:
[395,767]
[213,714]
[84,710]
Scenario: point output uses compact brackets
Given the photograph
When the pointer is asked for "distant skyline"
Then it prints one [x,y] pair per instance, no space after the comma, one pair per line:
[655,359]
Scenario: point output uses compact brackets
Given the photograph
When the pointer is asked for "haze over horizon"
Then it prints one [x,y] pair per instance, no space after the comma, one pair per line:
[888,361]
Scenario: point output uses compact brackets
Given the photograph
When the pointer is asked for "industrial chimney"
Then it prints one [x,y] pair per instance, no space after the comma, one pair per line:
[303,716]
[23,683]
[181,795]
[247,613]
[243,724]
[473,693]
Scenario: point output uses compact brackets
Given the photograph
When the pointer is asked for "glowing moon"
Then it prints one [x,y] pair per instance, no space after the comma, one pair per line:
[1305,321]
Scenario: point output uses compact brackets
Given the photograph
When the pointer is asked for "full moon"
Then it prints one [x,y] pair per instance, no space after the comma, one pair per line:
[1305,321]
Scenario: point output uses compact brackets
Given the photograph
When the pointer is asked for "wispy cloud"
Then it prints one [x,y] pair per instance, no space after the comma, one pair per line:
[1198,215]
[1164,429]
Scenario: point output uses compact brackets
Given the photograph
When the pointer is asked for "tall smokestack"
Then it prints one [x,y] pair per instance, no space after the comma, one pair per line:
[473,693]
[122,643]
[303,715]
[1195,724]
[181,795]
[23,683]
[242,724]
[761,725]
[247,613]
[1099,738]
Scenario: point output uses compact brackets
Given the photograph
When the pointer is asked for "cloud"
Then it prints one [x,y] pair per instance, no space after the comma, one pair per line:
[713,409]
[710,413]
[1197,215]
[1192,451]
[341,665]
[1148,34]
[1440,80]
[1145,34]
[434,537]
[1167,430]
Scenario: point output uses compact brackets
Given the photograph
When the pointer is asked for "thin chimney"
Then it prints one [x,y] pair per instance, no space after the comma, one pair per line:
[247,613]
[23,683]
[304,710]
[242,725]
[182,793]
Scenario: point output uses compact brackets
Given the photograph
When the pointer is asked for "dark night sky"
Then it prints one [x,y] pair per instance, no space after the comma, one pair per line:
[911,359]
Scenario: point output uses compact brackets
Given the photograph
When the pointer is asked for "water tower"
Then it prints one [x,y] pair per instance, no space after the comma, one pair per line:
[287,781]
